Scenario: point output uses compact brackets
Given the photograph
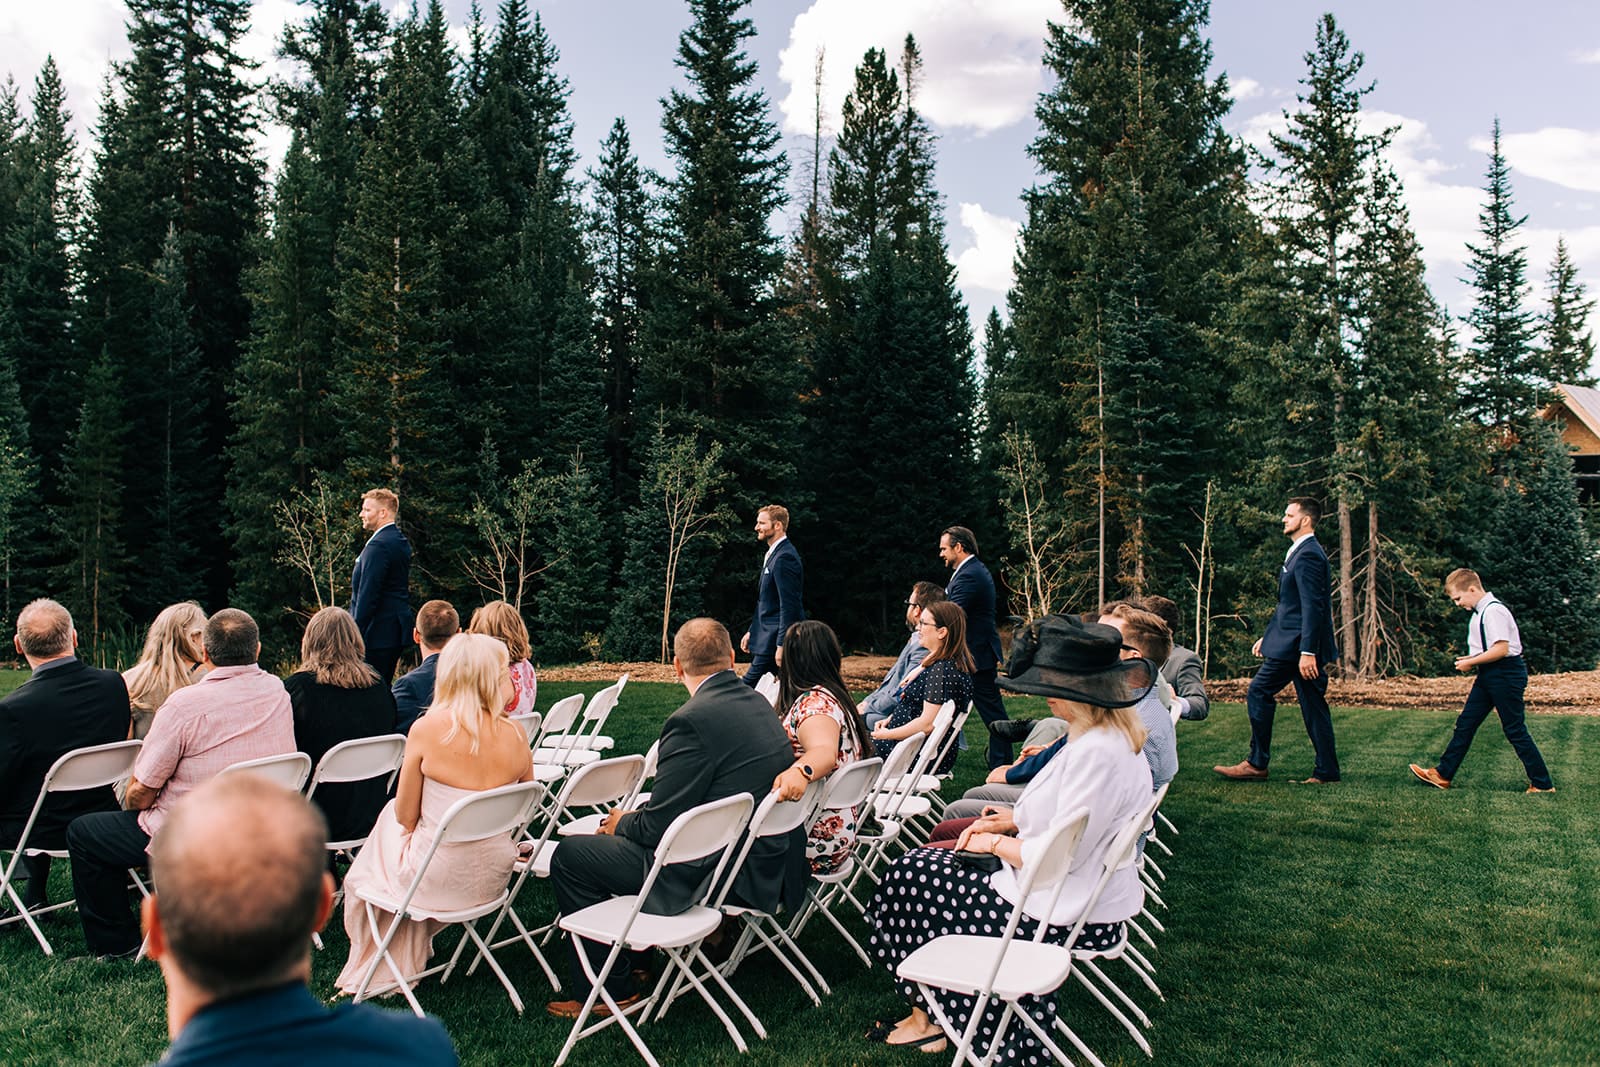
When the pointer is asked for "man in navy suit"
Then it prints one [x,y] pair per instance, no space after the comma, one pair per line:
[1296,647]
[972,587]
[778,598]
[380,598]
[437,623]
[243,882]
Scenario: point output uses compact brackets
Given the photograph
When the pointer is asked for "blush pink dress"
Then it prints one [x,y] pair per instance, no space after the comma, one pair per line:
[460,876]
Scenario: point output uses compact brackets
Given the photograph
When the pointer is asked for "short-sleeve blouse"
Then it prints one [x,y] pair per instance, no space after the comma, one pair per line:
[833,834]
[934,684]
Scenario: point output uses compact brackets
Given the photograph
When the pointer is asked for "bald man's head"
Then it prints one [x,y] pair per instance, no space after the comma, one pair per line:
[44,630]
[702,647]
[239,866]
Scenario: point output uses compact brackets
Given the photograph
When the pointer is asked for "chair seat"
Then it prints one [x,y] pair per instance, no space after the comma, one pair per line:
[541,862]
[460,915]
[573,757]
[961,962]
[603,922]
[841,874]
[891,830]
[927,783]
[910,808]
[588,824]
[598,742]
[547,772]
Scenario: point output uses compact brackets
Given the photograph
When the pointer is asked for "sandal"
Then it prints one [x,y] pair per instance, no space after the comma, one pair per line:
[922,1044]
[880,1031]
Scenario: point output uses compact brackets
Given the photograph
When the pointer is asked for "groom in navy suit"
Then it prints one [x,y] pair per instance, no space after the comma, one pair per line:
[1296,647]
[380,597]
[778,597]
[972,587]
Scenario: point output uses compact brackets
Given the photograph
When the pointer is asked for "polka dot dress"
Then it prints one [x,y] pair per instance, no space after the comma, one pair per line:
[928,893]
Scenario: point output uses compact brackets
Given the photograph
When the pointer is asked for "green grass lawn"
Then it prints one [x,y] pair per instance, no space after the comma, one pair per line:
[1374,922]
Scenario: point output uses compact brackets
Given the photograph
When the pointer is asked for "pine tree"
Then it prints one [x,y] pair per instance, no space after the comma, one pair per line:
[1117,374]
[18,484]
[574,603]
[90,520]
[1505,388]
[1568,342]
[1540,560]
[716,359]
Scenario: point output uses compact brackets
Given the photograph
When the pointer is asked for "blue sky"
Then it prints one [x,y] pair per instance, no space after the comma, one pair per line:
[1444,69]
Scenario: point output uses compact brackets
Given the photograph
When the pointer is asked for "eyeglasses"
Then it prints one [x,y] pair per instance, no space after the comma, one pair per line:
[913,604]
[929,625]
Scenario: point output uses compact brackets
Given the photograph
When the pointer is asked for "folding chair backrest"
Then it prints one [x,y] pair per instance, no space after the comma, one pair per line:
[1121,853]
[1050,869]
[91,767]
[702,830]
[529,721]
[850,785]
[952,737]
[892,771]
[359,759]
[289,770]
[900,787]
[767,686]
[490,813]
[652,756]
[563,713]
[604,781]
[773,818]
[600,706]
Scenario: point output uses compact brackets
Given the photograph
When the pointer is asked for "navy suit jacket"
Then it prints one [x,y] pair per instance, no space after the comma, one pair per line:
[778,600]
[1303,620]
[972,587]
[380,596]
[289,1025]
[413,692]
[58,709]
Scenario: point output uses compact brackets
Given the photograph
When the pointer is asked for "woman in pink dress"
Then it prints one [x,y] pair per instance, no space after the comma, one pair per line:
[463,745]
[826,731]
[500,620]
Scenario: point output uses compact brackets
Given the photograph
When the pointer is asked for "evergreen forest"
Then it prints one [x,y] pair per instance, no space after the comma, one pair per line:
[583,381]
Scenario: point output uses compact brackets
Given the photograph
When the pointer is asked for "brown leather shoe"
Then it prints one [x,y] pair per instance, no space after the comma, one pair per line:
[569,1009]
[1243,771]
[1536,789]
[1431,776]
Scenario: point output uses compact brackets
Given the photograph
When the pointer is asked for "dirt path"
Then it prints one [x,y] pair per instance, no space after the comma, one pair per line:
[1577,692]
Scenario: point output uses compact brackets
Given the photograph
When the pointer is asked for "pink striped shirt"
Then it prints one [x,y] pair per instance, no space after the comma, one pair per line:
[231,715]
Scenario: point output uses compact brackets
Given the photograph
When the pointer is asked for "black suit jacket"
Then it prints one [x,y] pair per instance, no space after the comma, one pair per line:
[52,713]
[380,597]
[972,587]
[778,603]
[413,693]
[1303,619]
[725,740]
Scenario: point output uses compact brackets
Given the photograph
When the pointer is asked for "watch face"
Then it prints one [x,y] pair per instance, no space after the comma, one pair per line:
[805,769]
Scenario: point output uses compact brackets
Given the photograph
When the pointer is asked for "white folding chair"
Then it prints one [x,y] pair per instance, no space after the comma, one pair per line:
[529,721]
[904,796]
[767,686]
[594,785]
[290,770]
[621,921]
[583,743]
[492,813]
[93,767]
[1001,968]
[558,720]
[358,760]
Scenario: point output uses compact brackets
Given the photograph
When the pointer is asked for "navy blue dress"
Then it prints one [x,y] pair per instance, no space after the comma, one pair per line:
[933,685]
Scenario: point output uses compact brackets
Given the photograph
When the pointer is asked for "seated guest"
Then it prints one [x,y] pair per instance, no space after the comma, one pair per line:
[170,661]
[723,741]
[337,696]
[65,704]
[1144,639]
[1182,668]
[237,712]
[880,704]
[927,893]
[241,887]
[437,623]
[825,730]
[503,622]
[945,674]
[464,745]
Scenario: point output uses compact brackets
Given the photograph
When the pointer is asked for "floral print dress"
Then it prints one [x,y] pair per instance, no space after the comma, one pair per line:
[833,834]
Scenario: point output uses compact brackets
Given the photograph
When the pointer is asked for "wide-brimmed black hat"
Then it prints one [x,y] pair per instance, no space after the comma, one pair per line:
[1063,656]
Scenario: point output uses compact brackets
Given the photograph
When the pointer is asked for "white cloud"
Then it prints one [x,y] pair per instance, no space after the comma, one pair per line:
[1556,154]
[1244,88]
[1591,56]
[981,66]
[987,262]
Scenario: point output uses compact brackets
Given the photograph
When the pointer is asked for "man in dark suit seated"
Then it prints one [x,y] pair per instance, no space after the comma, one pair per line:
[437,623]
[725,740]
[380,595]
[242,883]
[1183,668]
[972,587]
[778,596]
[66,704]
[1296,647]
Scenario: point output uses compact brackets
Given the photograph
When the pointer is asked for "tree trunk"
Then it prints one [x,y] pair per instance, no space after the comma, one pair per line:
[1369,606]
[1349,649]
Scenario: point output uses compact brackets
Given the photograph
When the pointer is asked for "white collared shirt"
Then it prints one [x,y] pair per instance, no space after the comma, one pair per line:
[1486,629]
[958,566]
[1296,543]
[773,548]
[378,531]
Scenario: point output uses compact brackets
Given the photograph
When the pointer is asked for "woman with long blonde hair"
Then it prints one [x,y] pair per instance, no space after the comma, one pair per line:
[500,620]
[463,745]
[337,696]
[171,660]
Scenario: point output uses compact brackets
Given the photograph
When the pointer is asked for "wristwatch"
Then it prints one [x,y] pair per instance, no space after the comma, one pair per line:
[805,769]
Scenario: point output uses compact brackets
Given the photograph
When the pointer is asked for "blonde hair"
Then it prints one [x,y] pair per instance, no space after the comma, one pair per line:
[1462,578]
[466,687]
[1124,719]
[501,620]
[171,649]
[333,651]
[384,498]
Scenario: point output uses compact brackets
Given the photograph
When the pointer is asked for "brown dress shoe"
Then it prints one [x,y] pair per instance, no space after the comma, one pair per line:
[1536,789]
[1431,776]
[569,1009]
[1243,771]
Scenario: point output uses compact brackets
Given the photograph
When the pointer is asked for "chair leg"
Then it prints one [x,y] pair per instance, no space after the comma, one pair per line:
[494,965]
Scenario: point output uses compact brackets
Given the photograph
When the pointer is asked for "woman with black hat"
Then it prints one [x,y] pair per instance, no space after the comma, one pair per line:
[927,893]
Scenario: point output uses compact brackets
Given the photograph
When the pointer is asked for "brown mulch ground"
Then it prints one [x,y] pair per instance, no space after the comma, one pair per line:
[1574,692]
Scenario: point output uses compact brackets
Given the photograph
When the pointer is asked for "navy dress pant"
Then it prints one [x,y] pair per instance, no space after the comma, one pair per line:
[1261,704]
[1499,686]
